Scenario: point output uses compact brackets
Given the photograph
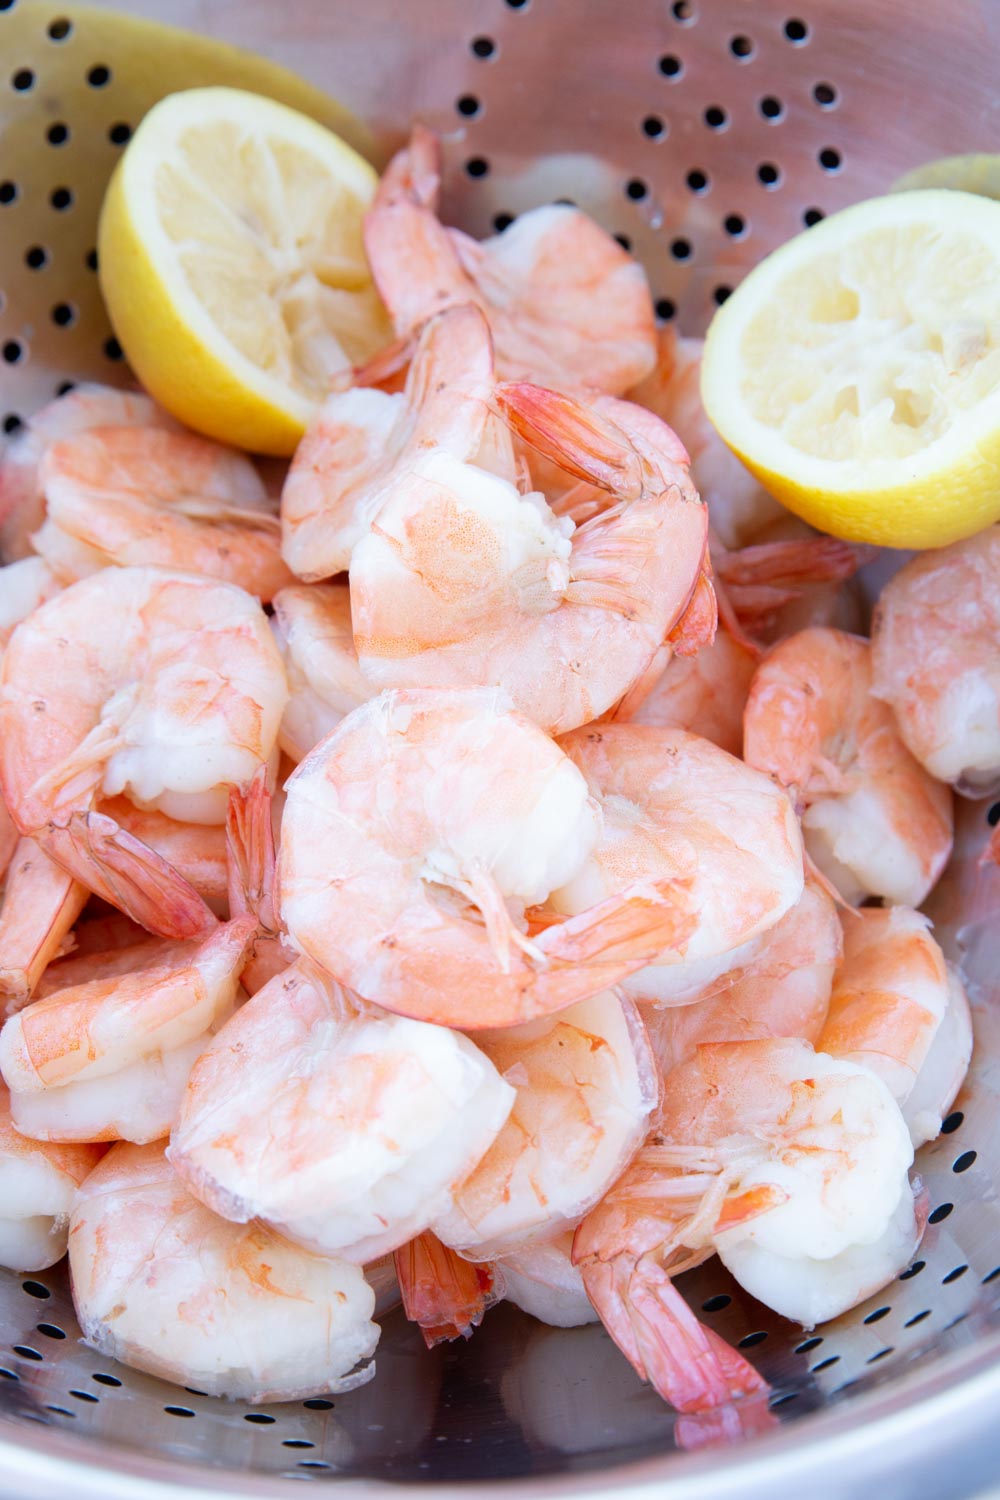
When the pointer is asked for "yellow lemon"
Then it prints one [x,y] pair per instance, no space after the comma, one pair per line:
[232,265]
[856,371]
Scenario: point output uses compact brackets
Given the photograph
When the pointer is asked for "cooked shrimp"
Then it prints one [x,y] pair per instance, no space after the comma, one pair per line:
[761,580]
[161,685]
[789,1163]
[738,504]
[135,496]
[936,660]
[250,858]
[24,586]
[196,850]
[874,821]
[312,625]
[782,989]
[465,581]
[944,1068]
[8,838]
[22,502]
[37,1184]
[108,1059]
[542,1280]
[40,903]
[677,808]
[586,1085]
[890,996]
[567,306]
[448,1297]
[704,694]
[838,603]
[414,839]
[165,1286]
[347,1130]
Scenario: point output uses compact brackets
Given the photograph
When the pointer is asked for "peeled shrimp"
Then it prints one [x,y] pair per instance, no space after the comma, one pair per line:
[196,850]
[312,625]
[348,1131]
[135,496]
[566,305]
[463,580]
[163,686]
[414,839]
[781,989]
[37,1185]
[704,694]
[40,903]
[936,660]
[890,996]
[24,586]
[874,821]
[107,1059]
[789,1163]
[165,1286]
[678,808]
[585,1085]
[542,1280]
[22,502]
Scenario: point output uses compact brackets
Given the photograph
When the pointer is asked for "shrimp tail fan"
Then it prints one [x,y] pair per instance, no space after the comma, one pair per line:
[250,857]
[447,1296]
[41,901]
[574,436]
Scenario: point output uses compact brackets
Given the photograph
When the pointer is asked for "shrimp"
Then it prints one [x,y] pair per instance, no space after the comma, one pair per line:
[165,1286]
[163,686]
[22,501]
[791,1164]
[196,850]
[348,1131]
[782,989]
[677,808]
[761,580]
[874,821]
[541,1279]
[703,694]
[24,586]
[41,901]
[890,996]
[447,1297]
[108,1059]
[464,581]
[416,837]
[133,496]
[936,662]
[738,504]
[567,306]
[37,1184]
[312,625]
[586,1085]
[837,602]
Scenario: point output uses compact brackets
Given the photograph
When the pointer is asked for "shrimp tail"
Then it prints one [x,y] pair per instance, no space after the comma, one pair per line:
[447,1296]
[634,926]
[114,864]
[387,369]
[991,854]
[743,1207]
[250,860]
[40,904]
[574,436]
[697,625]
[760,579]
[726,1425]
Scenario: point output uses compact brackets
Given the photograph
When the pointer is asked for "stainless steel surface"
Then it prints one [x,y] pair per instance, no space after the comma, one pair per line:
[614,105]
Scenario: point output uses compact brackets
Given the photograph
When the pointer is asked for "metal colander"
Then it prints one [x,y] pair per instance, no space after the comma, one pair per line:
[702,133]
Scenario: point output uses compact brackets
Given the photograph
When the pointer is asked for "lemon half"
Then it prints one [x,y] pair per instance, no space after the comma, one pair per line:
[856,371]
[232,263]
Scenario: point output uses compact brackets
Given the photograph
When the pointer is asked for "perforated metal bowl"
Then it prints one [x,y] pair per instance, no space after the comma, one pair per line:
[703,132]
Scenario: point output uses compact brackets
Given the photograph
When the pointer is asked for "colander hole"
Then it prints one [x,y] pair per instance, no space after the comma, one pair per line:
[665,309]
[917,1318]
[26,1351]
[65,386]
[318,1403]
[741,47]
[825,1364]
[777,1401]
[812,216]
[91,259]
[86,1396]
[23,80]
[697,180]
[119,133]
[60,1411]
[636,189]
[33,1288]
[735,224]
[830,159]
[312,1463]
[939,1214]
[6,1374]
[825,95]
[6,4]
[60,29]
[809,1345]
[717,1303]
[178,1411]
[964,1162]
[261,1418]
[61,198]
[680,249]
[192,1392]
[36,256]
[914,1270]
[8,192]
[955,1275]
[297,1443]
[716,117]
[50,1330]
[468,105]
[483,46]
[771,107]
[13,423]
[720,293]
[502,222]
[113,349]
[684,11]
[566,202]
[878,1315]
[991,1275]
[653,127]
[103,1379]
[477,166]
[769,174]
[13,352]
[992,817]
[624,241]
[751,1340]
[670,65]
[517,4]
[796,31]
[99,76]
[63,315]
[57,134]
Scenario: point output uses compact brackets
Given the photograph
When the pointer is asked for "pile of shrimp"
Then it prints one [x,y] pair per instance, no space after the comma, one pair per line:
[484,862]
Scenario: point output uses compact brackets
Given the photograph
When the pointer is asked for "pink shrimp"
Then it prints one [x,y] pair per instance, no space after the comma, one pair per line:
[41,901]
[312,625]
[38,1182]
[24,586]
[704,694]
[444,1294]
